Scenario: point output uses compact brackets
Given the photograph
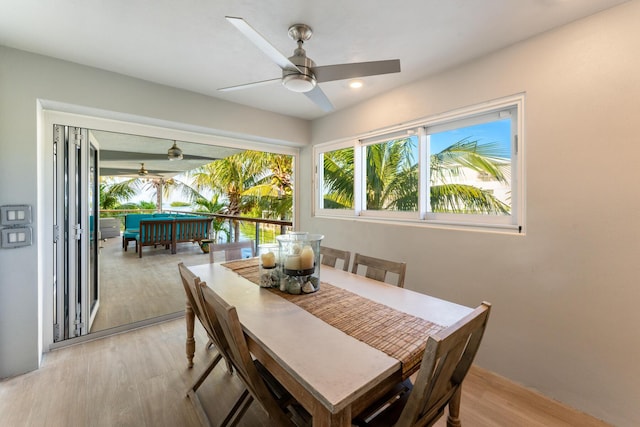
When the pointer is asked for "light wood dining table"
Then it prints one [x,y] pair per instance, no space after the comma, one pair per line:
[331,374]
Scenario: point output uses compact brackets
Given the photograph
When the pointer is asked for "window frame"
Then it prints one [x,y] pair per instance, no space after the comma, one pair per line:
[477,114]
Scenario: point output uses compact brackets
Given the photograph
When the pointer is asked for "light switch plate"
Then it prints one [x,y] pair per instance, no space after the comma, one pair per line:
[11,215]
[16,237]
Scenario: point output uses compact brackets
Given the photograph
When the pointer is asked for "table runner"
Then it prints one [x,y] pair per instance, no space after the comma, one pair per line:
[399,335]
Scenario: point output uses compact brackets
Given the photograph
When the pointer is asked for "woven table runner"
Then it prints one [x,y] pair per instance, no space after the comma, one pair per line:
[399,335]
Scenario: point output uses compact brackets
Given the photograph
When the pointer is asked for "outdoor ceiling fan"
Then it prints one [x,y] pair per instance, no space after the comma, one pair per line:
[299,72]
[143,171]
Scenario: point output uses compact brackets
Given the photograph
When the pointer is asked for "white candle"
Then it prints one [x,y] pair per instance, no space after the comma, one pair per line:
[292,262]
[306,258]
[268,260]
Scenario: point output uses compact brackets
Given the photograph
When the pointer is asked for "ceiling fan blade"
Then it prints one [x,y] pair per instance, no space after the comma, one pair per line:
[327,73]
[106,171]
[320,99]
[262,43]
[250,85]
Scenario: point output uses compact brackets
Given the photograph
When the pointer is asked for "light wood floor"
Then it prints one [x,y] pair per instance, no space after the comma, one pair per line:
[134,289]
[140,378]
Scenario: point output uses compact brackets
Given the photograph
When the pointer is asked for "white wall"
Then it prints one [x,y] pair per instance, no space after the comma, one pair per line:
[565,296]
[25,78]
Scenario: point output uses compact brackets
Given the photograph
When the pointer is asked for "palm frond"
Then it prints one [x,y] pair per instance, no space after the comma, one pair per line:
[461,198]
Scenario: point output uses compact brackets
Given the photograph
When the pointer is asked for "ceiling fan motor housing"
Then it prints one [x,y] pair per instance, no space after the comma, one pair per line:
[303,80]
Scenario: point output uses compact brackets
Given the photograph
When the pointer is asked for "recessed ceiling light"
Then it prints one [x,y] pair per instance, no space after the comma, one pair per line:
[355,84]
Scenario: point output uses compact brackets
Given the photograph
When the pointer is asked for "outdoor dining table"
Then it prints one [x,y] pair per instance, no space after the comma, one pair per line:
[336,350]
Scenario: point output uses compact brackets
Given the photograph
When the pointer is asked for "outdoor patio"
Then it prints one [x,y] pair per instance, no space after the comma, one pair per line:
[133,289]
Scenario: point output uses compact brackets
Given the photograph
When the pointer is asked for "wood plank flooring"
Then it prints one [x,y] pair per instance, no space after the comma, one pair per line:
[134,289]
[140,378]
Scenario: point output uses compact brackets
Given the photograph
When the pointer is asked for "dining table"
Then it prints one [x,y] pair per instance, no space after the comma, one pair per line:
[336,350]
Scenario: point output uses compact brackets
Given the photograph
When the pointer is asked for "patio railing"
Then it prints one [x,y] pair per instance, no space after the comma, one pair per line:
[224,227]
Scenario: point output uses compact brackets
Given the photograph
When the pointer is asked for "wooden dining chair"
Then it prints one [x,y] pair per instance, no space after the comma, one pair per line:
[232,250]
[190,281]
[191,284]
[446,361]
[259,383]
[377,268]
[330,256]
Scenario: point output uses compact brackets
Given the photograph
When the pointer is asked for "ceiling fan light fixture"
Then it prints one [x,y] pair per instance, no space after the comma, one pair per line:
[299,83]
[174,152]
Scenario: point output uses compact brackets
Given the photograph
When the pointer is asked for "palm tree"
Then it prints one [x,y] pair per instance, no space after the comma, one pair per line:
[231,176]
[213,206]
[273,189]
[163,187]
[113,193]
[338,179]
[392,177]
[487,159]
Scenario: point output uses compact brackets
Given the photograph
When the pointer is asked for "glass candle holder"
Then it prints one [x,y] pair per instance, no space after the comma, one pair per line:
[299,262]
[269,255]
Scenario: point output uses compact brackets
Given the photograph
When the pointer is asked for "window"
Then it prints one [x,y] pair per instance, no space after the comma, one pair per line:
[391,174]
[337,179]
[462,168]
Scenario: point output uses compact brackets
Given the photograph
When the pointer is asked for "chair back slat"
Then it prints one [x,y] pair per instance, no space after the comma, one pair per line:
[377,268]
[441,385]
[229,322]
[446,361]
[330,256]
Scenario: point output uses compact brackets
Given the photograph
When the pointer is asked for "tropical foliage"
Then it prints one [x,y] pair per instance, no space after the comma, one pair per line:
[485,159]
[251,183]
[213,206]
[163,187]
[273,190]
[113,193]
[392,178]
[338,179]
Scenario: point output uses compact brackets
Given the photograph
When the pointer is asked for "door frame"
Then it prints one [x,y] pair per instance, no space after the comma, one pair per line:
[53,112]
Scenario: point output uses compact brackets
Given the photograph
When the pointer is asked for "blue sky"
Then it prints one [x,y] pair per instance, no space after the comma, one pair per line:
[497,131]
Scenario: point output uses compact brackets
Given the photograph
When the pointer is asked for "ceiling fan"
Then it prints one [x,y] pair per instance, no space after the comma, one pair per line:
[143,171]
[299,72]
[127,171]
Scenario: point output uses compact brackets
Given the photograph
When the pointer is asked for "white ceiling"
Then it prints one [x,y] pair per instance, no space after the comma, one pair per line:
[188,44]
